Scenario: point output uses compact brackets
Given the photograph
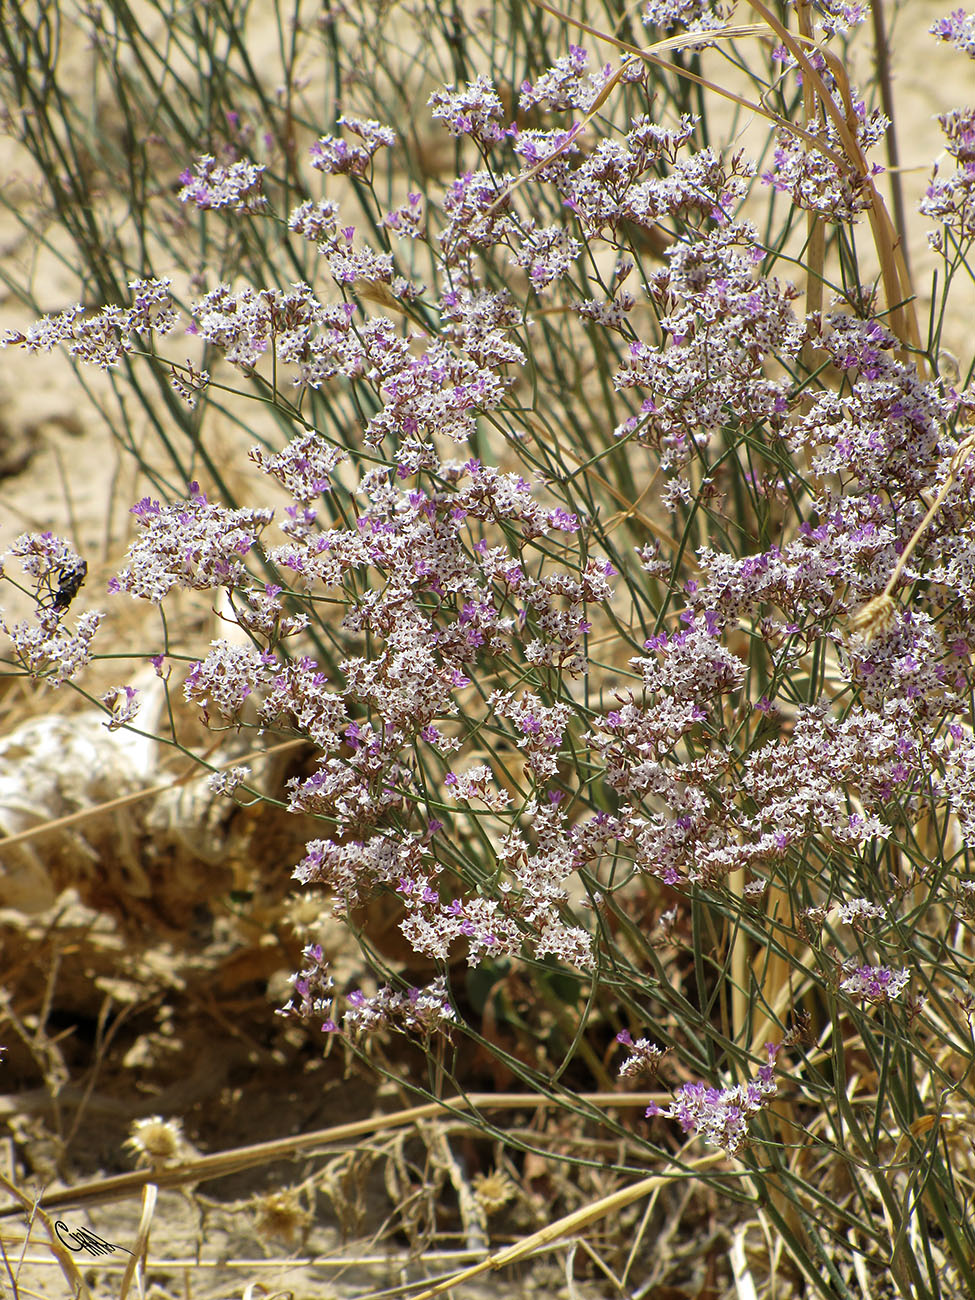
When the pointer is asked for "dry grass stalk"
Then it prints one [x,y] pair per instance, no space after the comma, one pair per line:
[571,1223]
[250,1157]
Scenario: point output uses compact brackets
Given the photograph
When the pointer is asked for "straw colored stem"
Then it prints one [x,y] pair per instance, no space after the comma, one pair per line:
[227,1162]
[882,57]
[651,54]
[740,1001]
[136,796]
[33,1210]
[568,1224]
[893,269]
[815,226]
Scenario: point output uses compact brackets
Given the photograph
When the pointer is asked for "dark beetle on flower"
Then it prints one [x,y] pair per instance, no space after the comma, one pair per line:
[70,579]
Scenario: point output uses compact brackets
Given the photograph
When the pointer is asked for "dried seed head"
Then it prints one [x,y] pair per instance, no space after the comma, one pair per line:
[157,1142]
[307,914]
[493,1191]
[281,1215]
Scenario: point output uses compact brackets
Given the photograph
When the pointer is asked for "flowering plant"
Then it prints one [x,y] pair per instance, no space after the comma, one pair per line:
[622,585]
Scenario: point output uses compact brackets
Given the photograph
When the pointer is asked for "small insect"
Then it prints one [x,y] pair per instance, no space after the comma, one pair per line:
[70,579]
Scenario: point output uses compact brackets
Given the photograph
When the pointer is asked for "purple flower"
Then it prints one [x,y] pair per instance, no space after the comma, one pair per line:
[335,156]
[475,111]
[958,28]
[721,1115]
[237,186]
[874,983]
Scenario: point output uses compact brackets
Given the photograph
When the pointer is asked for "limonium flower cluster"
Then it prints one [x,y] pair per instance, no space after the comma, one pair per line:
[465,578]
[416,1011]
[46,644]
[958,28]
[721,1115]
